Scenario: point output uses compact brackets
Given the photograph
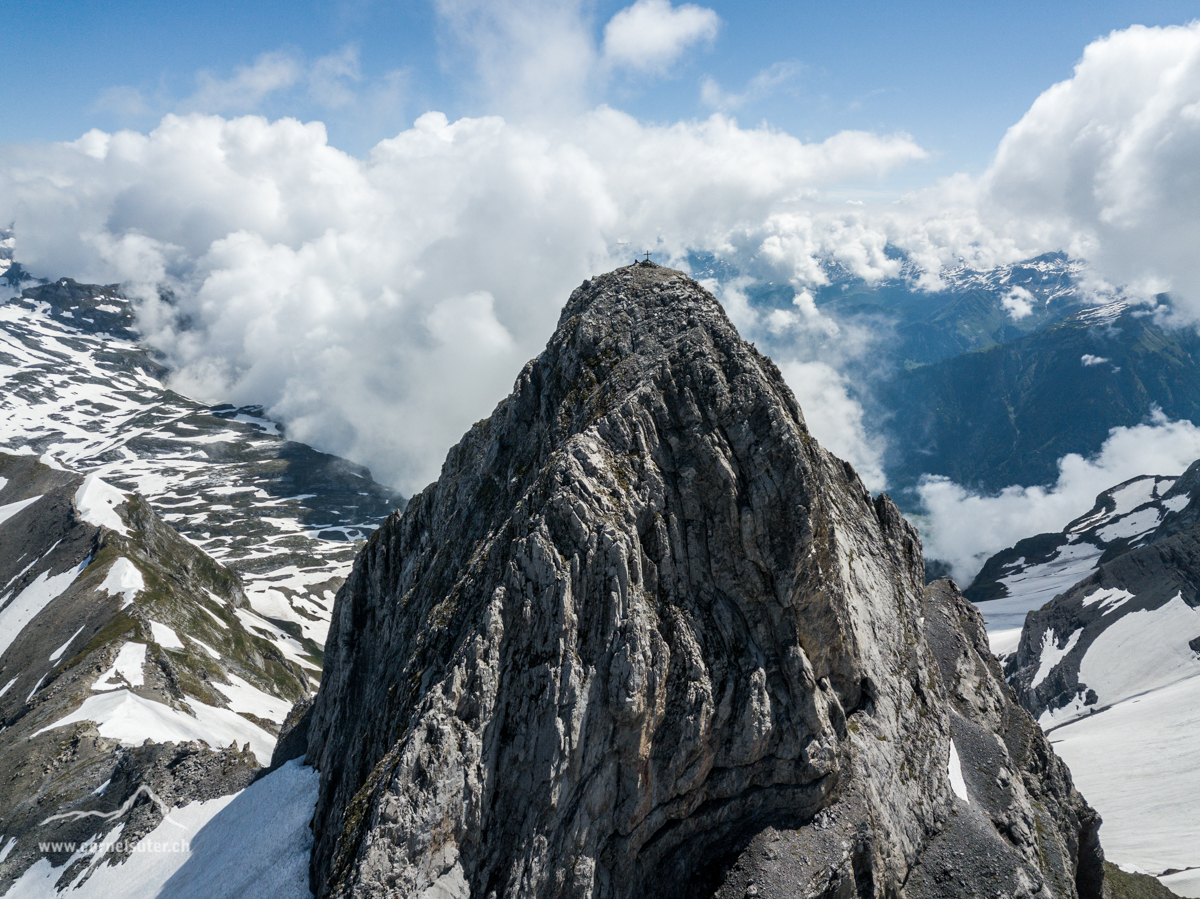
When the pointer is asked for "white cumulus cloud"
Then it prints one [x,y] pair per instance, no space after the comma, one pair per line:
[651,35]
[1018,303]
[835,418]
[380,306]
[1104,163]
[965,528]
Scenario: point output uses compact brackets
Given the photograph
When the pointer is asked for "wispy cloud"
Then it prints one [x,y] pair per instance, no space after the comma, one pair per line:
[330,84]
[248,86]
[767,82]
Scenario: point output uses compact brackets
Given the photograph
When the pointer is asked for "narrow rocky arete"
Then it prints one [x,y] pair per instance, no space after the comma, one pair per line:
[644,632]
[131,677]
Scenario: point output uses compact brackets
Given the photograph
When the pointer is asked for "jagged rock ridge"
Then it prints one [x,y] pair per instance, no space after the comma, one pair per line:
[644,622]
[126,664]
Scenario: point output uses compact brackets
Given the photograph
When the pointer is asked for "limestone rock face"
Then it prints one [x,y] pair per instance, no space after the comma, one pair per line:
[641,624]
[1024,825]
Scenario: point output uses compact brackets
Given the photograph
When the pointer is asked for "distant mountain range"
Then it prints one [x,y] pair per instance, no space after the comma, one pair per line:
[1007,413]
[994,378]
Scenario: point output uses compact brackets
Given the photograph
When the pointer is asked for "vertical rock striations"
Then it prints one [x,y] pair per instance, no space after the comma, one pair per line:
[641,621]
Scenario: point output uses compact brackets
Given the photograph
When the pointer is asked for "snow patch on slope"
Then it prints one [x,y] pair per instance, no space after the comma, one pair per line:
[132,720]
[1052,654]
[8,510]
[165,636]
[1109,599]
[127,666]
[954,768]
[1142,651]
[25,606]
[1131,525]
[251,845]
[97,503]
[54,656]
[123,579]
[245,698]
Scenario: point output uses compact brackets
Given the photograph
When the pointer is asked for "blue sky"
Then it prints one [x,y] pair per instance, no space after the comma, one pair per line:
[953,75]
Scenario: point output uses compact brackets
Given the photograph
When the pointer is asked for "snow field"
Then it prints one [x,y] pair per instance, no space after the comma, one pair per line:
[132,719]
[26,604]
[1142,651]
[252,845]
[1138,764]
[123,579]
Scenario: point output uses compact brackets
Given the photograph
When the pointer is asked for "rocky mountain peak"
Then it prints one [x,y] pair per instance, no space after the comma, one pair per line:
[644,632]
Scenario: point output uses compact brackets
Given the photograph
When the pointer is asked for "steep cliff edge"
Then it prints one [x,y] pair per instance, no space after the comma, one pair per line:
[644,633]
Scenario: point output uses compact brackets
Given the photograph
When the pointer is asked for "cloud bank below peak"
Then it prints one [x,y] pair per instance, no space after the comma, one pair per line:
[378,306]
[965,528]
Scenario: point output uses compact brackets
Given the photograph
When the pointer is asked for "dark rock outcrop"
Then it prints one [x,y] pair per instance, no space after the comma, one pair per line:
[293,736]
[645,637]
[92,308]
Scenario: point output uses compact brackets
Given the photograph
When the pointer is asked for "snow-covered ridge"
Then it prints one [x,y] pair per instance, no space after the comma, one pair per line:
[1109,661]
[137,664]
[130,651]
[1028,575]
[79,390]
[1053,276]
